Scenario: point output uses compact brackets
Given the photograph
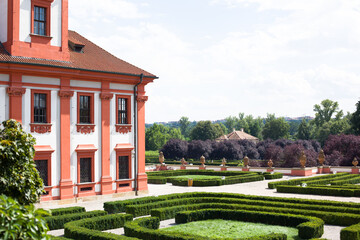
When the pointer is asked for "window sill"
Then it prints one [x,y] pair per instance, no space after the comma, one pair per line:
[86,189]
[85,128]
[40,39]
[40,127]
[123,128]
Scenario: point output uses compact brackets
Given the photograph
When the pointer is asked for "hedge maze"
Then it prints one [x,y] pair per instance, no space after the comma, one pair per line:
[228,177]
[340,184]
[308,216]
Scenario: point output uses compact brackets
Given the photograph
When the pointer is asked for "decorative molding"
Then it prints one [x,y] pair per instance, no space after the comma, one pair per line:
[15,91]
[66,93]
[40,128]
[142,98]
[106,96]
[85,128]
[121,128]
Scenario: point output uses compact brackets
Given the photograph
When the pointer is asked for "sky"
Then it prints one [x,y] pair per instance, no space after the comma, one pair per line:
[217,58]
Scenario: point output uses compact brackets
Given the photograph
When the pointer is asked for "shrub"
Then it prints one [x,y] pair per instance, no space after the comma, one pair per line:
[324,191]
[67,210]
[21,222]
[347,145]
[350,233]
[197,148]
[175,149]
[19,178]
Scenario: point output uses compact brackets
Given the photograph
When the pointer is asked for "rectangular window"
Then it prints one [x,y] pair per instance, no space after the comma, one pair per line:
[42,167]
[40,108]
[122,111]
[85,170]
[40,20]
[123,167]
[85,110]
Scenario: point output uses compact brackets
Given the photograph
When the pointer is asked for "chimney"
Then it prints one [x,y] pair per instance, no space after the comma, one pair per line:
[242,129]
[234,130]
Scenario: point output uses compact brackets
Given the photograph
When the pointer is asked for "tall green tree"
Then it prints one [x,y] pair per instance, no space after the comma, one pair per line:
[355,119]
[304,130]
[325,111]
[184,126]
[230,123]
[19,178]
[157,135]
[242,123]
[205,130]
[275,128]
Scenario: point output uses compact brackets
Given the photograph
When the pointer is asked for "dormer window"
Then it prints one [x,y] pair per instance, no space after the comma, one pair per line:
[40,21]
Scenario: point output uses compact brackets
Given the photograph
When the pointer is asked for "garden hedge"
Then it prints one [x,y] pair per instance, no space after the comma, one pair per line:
[67,210]
[272,175]
[319,190]
[309,227]
[350,233]
[145,228]
[92,228]
[57,222]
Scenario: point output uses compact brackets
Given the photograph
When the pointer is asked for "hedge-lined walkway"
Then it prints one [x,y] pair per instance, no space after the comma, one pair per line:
[252,188]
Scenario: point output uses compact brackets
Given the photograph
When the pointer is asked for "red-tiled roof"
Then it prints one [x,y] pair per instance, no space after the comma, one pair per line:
[93,58]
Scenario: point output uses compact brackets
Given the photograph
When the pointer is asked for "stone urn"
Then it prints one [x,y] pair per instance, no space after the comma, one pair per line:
[302,159]
[321,157]
[161,158]
[246,161]
[223,162]
[355,162]
[202,161]
[183,162]
[270,163]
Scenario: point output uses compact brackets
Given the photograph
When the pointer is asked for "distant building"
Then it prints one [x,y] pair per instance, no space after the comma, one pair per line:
[238,135]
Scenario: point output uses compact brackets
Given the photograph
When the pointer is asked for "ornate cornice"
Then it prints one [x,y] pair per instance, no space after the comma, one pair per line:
[66,93]
[15,91]
[106,96]
[85,128]
[120,128]
[142,98]
[40,128]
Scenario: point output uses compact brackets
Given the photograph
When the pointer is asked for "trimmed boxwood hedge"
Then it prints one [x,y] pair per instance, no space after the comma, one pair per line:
[326,179]
[319,190]
[272,175]
[145,228]
[309,227]
[67,210]
[57,222]
[350,233]
[92,228]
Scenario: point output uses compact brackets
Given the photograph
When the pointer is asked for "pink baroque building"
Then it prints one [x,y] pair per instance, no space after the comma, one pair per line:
[85,107]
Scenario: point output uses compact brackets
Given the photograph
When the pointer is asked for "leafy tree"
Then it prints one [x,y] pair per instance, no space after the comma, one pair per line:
[255,126]
[304,130]
[230,123]
[276,128]
[325,111]
[355,119]
[157,135]
[19,178]
[184,126]
[242,123]
[175,149]
[205,130]
[21,222]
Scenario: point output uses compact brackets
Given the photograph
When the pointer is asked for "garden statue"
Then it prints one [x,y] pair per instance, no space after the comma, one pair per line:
[270,163]
[321,157]
[183,162]
[202,161]
[246,161]
[223,162]
[355,162]
[161,158]
[302,159]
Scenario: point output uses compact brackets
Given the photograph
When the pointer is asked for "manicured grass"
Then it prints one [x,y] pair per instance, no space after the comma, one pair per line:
[231,229]
[197,177]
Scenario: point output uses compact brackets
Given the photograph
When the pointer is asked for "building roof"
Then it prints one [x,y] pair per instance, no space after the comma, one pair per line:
[92,58]
[238,135]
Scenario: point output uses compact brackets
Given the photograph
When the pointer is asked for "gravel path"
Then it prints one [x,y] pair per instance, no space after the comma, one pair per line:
[252,188]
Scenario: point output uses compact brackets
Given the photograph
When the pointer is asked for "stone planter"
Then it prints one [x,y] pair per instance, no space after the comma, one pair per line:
[301,172]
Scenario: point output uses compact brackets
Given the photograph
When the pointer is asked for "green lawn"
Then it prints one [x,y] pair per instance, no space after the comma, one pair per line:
[231,229]
[196,177]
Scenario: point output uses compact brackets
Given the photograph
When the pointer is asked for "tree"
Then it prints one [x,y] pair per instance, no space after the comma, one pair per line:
[325,111]
[276,128]
[230,123]
[304,130]
[184,126]
[157,135]
[355,119]
[205,130]
[175,149]
[19,178]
